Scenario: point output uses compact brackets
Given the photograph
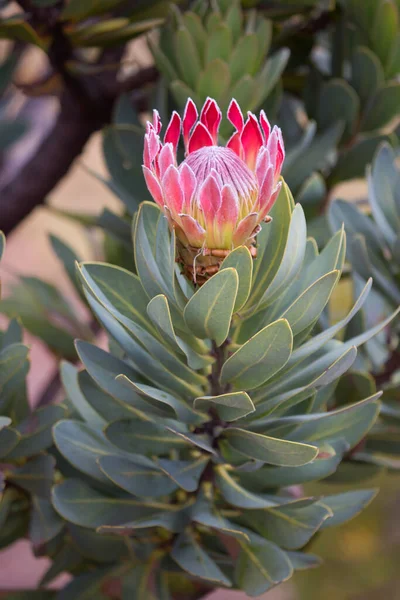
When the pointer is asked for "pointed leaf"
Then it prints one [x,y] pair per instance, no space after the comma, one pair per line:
[229,407]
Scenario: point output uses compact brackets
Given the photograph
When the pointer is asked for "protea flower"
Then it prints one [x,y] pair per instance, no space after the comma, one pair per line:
[216,198]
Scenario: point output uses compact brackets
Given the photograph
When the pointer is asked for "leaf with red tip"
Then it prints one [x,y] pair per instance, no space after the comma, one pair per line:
[173,130]
[200,138]
[165,158]
[193,231]
[228,211]
[235,144]
[188,184]
[266,127]
[153,186]
[189,119]
[235,115]
[210,198]
[172,190]
[251,139]
[245,229]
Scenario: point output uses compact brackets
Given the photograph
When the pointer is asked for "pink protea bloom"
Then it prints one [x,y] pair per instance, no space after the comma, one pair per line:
[216,198]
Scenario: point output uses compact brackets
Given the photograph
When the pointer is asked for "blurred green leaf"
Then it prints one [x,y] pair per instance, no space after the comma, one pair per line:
[382,108]
[346,506]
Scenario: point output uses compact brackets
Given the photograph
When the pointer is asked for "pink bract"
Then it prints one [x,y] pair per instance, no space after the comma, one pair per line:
[217,196]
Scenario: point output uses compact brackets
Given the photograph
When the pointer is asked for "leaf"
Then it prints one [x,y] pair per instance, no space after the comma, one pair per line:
[240,259]
[351,163]
[78,10]
[67,256]
[260,358]
[78,503]
[84,586]
[385,29]
[229,407]
[244,57]
[269,76]
[382,108]
[290,526]
[219,43]
[35,476]
[213,81]
[345,107]
[143,437]
[270,450]
[187,57]
[292,258]
[70,380]
[260,566]
[82,445]
[307,308]
[45,523]
[208,313]
[347,505]
[190,556]
[367,73]
[137,475]
[271,242]
[2,244]
[350,423]
[205,513]
[301,561]
[35,431]
[186,473]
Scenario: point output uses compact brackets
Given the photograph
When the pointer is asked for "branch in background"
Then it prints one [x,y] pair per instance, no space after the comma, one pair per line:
[75,123]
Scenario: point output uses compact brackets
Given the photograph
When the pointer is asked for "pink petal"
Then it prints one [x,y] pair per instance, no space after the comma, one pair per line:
[235,144]
[188,184]
[211,118]
[199,138]
[210,198]
[173,130]
[153,186]
[228,212]
[151,146]
[262,164]
[235,115]
[189,119]
[276,149]
[251,139]
[245,229]
[172,190]
[156,121]
[165,158]
[265,125]
[266,209]
[193,230]
[204,110]
[280,155]
[266,188]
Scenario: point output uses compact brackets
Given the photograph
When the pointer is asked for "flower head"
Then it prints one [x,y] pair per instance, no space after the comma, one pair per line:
[216,198]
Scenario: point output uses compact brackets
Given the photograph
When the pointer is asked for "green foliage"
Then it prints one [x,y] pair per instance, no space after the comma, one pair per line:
[201,417]
[219,53]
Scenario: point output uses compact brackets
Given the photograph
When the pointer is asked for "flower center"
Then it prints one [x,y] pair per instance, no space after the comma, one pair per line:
[229,167]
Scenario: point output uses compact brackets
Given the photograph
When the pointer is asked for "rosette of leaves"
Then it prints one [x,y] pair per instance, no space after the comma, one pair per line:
[191,433]
[350,96]
[373,251]
[26,470]
[218,52]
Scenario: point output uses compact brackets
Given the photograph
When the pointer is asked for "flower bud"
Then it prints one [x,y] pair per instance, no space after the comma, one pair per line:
[217,197]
